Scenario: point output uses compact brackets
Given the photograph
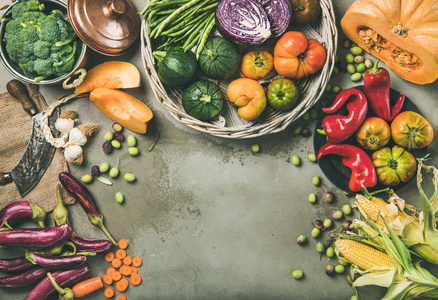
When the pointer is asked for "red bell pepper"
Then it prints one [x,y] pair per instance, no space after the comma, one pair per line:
[338,127]
[363,173]
[376,86]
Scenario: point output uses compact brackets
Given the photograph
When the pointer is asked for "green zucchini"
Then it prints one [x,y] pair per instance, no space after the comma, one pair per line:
[203,100]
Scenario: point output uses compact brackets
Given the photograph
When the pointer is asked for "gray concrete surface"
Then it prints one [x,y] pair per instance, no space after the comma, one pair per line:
[211,219]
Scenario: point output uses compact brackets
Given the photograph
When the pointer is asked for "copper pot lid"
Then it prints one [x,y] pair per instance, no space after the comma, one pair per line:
[109,27]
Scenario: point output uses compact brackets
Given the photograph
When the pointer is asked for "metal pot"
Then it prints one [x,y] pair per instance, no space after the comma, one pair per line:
[81,52]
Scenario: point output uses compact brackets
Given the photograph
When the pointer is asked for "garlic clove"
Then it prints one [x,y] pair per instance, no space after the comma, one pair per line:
[72,152]
[64,125]
[77,137]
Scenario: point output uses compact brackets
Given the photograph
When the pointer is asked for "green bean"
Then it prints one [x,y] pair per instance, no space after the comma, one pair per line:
[173,31]
[205,35]
[156,21]
[193,43]
[194,32]
[186,15]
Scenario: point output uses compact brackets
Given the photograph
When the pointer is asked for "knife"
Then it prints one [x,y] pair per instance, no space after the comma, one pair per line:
[39,153]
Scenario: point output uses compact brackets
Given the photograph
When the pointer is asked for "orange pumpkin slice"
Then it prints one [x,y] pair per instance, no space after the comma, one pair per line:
[403,34]
[112,75]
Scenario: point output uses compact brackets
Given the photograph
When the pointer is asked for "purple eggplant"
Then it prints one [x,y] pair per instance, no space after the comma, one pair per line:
[44,289]
[23,279]
[21,210]
[35,238]
[86,245]
[83,196]
[55,262]
[15,265]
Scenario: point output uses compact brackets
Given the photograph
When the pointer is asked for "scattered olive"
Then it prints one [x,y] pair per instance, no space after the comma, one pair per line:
[95,171]
[129,177]
[133,151]
[327,223]
[104,167]
[319,224]
[312,198]
[108,136]
[302,239]
[87,178]
[117,127]
[336,89]
[354,297]
[306,116]
[359,59]
[255,148]
[329,270]
[350,282]
[356,77]
[343,262]
[368,63]
[313,114]
[326,102]
[361,68]
[311,156]
[346,209]
[330,252]
[346,43]
[114,172]
[305,132]
[350,58]
[335,71]
[316,180]
[106,147]
[339,269]
[320,247]
[315,232]
[297,274]
[356,51]
[116,144]
[119,197]
[337,214]
[295,160]
[132,141]
[297,129]
[118,136]
[329,197]
[346,225]
[328,88]
[351,69]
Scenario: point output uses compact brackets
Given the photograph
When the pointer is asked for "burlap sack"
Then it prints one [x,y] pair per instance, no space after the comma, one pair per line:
[15,128]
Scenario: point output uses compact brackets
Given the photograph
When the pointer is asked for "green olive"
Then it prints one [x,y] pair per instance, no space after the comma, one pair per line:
[129,177]
[312,198]
[350,58]
[313,114]
[108,136]
[339,269]
[87,178]
[336,89]
[255,148]
[328,223]
[297,129]
[328,88]
[359,59]
[356,77]
[119,197]
[361,68]
[356,51]
[320,248]
[116,144]
[114,172]
[104,167]
[351,69]
[133,151]
[295,160]
[306,116]
[368,63]
[316,180]
[346,209]
[330,252]
[315,232]
[297,274]
[311,156]
[132,141]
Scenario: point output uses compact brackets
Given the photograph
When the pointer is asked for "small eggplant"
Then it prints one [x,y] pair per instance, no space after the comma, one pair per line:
[60,213]
[23,279]
[55,262]
[15,265]
[17,211]
[44,289]
[83,196]
[35,238]
[96,246]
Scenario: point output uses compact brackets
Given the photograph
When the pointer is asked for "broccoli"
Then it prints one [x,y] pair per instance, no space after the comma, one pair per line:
[41,45]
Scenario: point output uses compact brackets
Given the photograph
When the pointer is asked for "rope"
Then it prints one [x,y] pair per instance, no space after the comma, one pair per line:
[61,141]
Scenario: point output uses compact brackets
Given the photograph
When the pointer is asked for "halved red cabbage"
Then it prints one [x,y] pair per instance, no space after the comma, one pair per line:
[279,15]
[242,21]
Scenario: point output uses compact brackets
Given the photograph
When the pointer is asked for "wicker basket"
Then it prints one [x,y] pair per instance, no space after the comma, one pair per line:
[229,124]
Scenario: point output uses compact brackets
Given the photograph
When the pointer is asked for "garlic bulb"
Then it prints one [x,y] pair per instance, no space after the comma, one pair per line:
[64,125]
[77,137]
[71,152]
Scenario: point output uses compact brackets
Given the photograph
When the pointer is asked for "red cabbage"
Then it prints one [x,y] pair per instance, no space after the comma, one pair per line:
[242,21]
[279,14]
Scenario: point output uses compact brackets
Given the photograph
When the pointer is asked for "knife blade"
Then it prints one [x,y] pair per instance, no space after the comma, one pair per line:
[39,153]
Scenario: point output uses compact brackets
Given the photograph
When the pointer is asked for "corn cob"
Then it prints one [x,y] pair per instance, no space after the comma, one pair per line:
[363,256]
[372,208]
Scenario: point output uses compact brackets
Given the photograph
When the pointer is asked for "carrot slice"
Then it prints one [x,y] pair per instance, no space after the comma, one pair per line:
[120,254]
[116,276]
[120,297]
[108,279]
[127,260]
[134,270]
[87,286]
[109,256]
[125,270]
[122,285]
[110,270]
[123,244]
[135,279]
[109,292]
[116,263]
[136,261]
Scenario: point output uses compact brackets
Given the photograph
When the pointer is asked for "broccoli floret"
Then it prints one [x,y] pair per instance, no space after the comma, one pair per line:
[42,45]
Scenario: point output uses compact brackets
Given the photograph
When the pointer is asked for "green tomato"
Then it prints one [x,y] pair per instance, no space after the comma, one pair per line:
[394,165]
[282,93]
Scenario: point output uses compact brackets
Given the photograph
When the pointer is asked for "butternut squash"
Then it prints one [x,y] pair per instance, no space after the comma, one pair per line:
[122,108]
[402,33]
[112,75]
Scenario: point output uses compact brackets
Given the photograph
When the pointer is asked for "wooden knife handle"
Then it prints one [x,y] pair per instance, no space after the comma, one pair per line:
[19,92]
[5,178]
